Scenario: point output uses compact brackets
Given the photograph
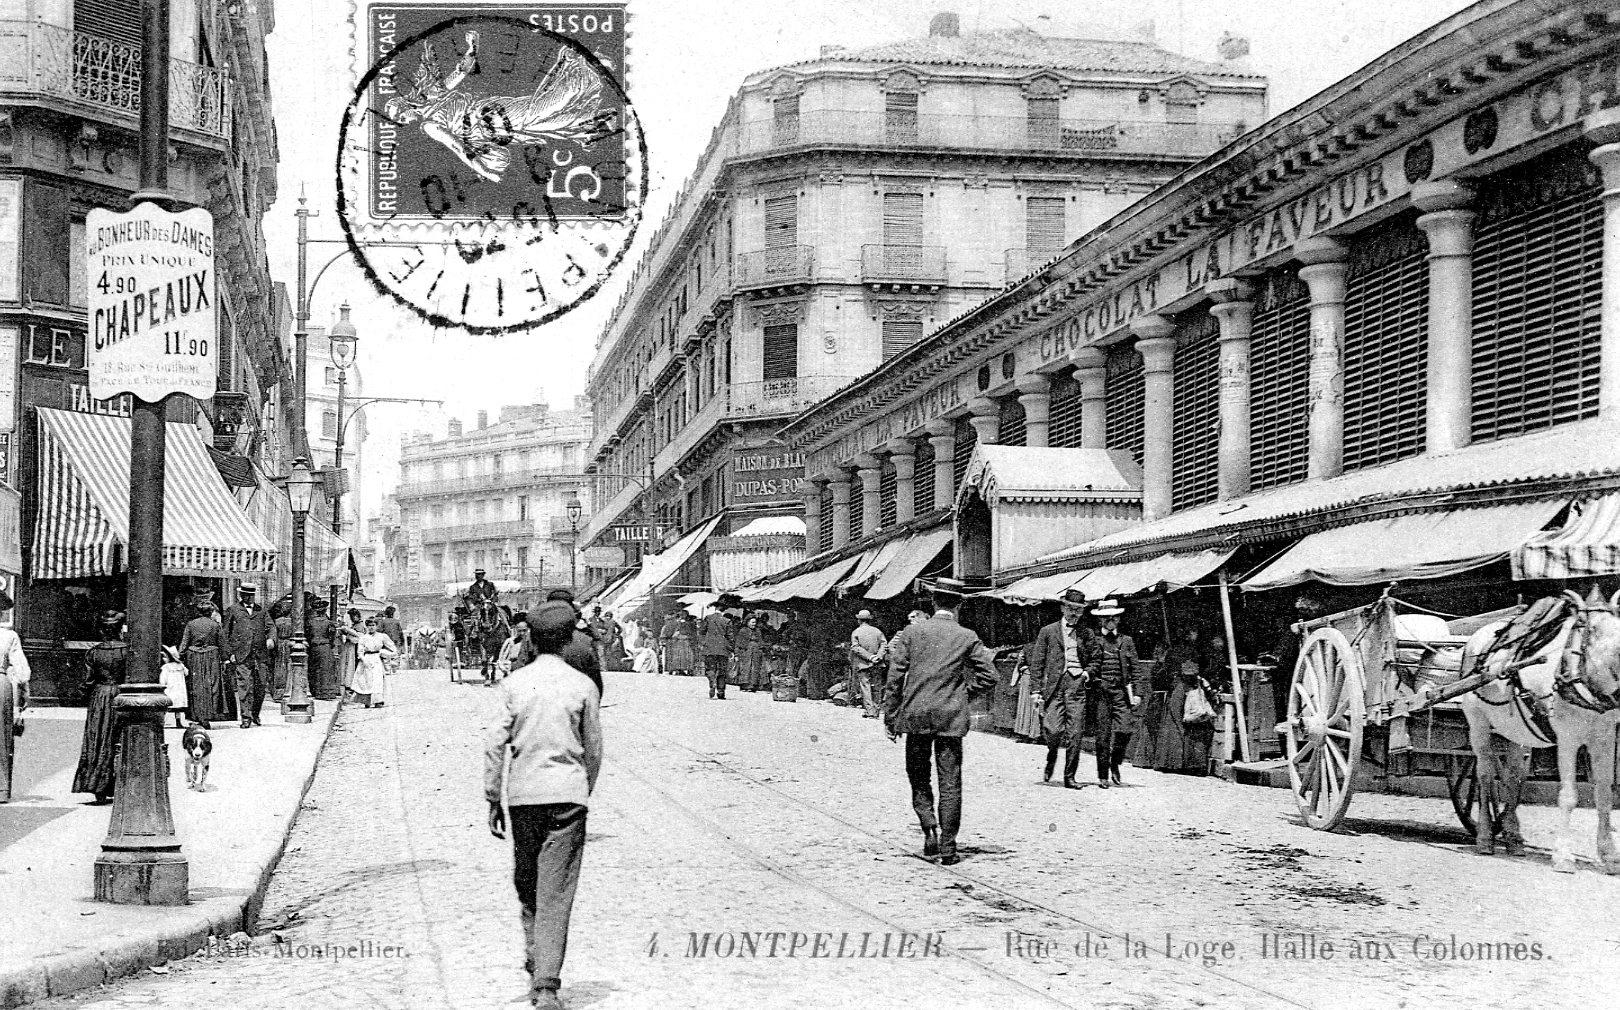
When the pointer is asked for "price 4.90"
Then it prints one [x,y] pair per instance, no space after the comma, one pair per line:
[174,342]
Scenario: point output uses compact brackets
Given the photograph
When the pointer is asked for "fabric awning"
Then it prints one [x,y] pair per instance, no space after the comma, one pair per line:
[326,555]
[1175,570]
[1427,545]
[453,590]
[908,562]
[809,586]
[1588,545]
[10,531]
[657,569]
[1037,588]
[83,516]
[871,563]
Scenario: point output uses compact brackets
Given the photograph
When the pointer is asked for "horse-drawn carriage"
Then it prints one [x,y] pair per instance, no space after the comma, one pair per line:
[1412,693]
[475,638]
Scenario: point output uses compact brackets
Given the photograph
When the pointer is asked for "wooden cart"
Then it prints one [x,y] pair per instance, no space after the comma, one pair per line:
[1378,686]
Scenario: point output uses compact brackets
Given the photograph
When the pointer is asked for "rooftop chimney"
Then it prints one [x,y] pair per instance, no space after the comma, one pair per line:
[483,419]
[1232,47]
[455,428]
[945,26]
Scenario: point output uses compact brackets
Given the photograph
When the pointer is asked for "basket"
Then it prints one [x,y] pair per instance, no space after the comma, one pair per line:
[784,689]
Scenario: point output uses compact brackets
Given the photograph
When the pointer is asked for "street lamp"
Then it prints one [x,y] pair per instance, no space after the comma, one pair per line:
[342,342]
[572,506]
[300,494]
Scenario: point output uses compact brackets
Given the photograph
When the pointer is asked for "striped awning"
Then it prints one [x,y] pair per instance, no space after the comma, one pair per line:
[83,517]
[1587,545]
[326,555]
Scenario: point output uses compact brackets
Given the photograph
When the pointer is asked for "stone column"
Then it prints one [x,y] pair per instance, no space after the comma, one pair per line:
[1091,372]
[986,419]
[903,454]
[1448,397]
[1324,272]
[1158,350]
[1034,392]
[942,436]
[840,503]
[1235,312]
[812,515]
[871,474]
[1603,128]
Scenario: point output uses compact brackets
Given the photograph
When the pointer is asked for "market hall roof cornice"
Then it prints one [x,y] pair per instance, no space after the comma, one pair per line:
[1468,60]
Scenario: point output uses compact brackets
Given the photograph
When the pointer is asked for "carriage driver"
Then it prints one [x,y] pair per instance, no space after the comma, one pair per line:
[481,590]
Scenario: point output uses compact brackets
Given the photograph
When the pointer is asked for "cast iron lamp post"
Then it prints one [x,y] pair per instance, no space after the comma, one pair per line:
[572,506]
[300,492]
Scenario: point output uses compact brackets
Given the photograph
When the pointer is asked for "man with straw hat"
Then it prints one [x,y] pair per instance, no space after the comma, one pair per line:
[933,667]
[1111,666]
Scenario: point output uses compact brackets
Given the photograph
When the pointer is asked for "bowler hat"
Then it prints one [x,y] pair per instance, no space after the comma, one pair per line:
[1075,597]
[110,617]
[1107,608]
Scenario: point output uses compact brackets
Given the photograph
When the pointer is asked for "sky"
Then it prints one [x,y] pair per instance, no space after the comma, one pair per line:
[686,58]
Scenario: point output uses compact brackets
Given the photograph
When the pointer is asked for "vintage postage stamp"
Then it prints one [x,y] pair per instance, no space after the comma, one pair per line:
[490,170]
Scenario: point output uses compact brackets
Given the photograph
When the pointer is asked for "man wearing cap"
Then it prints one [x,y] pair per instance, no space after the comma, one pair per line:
[482,590]
[933,666]
[1110,667]
[580,652]
[868,652]
[717,636]
[247,646]
[541,759]
[1056,662]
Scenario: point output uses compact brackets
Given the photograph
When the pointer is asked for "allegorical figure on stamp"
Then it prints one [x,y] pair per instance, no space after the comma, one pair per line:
[481,130]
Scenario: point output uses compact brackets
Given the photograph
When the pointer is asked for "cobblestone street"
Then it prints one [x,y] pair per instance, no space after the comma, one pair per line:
[751,817]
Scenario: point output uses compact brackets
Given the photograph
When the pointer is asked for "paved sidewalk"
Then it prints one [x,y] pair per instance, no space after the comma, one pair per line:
[56,938]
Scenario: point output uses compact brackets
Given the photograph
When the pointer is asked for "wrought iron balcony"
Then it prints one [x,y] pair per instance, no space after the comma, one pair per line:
[100,76]
[1004,133]
[903,264]
[793,264]
[479,531]
[485,481]
[784,396]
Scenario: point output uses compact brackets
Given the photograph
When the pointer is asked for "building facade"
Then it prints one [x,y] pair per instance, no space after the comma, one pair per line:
[1397,300]
[494,496]
[69,131]
[845,207]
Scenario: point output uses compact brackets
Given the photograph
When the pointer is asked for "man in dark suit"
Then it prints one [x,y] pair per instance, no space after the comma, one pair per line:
[247,644]
[1111,667]
[717,636]
[1056,662]
[933,666]
[580,652]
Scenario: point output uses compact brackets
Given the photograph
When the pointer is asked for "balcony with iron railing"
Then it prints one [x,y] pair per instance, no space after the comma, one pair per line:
[986,132]
[903,264]
[485,481]
[783,396]
[479,531]
[768,268]
[100,78]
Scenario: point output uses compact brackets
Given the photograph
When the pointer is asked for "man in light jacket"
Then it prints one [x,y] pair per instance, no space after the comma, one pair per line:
[868,652]
[14,675]
[549,724]
[933,666]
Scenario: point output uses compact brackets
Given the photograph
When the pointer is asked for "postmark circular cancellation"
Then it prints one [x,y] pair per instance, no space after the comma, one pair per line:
[491,171]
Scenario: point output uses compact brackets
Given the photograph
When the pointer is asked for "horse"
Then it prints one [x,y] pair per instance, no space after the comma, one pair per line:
[489,629]
[1557,684]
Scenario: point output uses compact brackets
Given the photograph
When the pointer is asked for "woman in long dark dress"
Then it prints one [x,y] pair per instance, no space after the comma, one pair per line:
[750,651]
[323,678]
[105,667]
[200,646]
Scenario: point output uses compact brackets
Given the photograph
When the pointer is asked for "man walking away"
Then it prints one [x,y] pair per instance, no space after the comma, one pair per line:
[580,652]
[717,636]
[933,666]
[247,641]
[1055,661]
[549,724]
[1112,667]
[868,651]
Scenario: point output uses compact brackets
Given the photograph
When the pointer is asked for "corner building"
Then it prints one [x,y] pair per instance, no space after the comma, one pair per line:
[845,207]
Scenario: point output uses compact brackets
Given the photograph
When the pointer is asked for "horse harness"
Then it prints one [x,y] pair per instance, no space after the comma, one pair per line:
[1525,635]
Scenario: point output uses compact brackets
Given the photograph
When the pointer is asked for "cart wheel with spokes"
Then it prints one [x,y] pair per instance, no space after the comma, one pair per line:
[1327,707]
[1462,781]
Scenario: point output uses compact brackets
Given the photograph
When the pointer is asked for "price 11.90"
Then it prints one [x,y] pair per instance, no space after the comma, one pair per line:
[174,342]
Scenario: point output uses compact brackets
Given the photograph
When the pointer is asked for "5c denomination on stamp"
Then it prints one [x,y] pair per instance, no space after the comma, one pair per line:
[491,169]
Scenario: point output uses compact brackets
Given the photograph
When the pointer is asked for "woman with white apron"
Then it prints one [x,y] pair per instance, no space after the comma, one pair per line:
[370,675]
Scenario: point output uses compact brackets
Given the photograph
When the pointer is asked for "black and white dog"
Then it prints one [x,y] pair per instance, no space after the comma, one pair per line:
[198,745]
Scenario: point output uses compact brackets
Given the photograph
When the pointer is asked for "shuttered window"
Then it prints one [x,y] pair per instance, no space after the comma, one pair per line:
[781,222]
[781,351]
[902,219]
[1064,432]
[826,540]
[857,507]
[900,117]
[1126,399]
[1195,440]
[1386,329]
[118,20]
[785,119]
[1043,121]
[1538,254]
[1043,227]
[887,482]
[924,496]
[1012,424]
[965,441]
[899,334]
[1279,382]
